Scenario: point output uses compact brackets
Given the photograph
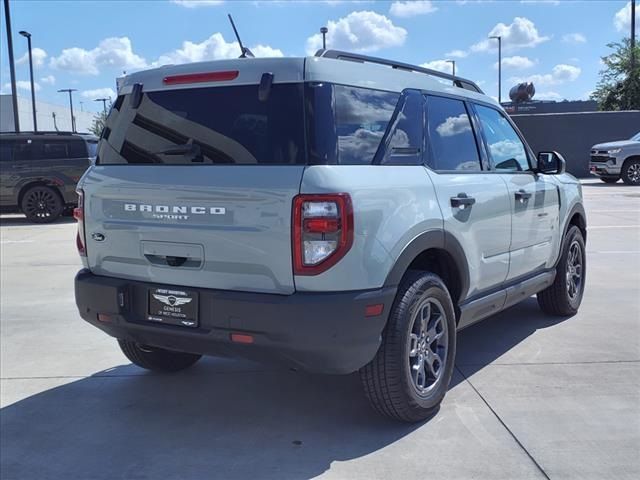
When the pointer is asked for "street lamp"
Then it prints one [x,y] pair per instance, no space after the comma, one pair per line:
[69,90]
[27,35]
[324,31]
[499,38]
[453,68]
[104,103]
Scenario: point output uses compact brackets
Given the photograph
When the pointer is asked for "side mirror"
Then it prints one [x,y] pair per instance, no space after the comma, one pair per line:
[551,163]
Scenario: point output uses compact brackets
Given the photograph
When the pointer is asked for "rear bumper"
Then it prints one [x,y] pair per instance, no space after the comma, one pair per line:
[317,332]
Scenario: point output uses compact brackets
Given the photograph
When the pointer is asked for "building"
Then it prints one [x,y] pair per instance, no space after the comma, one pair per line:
[541,106]
[49,116]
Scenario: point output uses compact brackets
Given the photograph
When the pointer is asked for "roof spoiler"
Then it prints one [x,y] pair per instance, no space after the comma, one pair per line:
[356,57]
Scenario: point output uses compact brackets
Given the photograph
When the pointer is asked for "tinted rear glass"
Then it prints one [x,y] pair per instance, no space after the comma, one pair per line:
[219,125]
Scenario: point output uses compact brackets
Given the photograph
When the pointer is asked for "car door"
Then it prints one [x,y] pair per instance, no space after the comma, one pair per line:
[534,198]
[475,204]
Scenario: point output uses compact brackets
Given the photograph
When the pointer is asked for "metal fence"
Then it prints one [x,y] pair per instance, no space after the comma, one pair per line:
[573,134]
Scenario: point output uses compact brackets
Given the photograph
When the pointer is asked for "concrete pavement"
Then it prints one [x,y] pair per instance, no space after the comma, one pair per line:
[532,397]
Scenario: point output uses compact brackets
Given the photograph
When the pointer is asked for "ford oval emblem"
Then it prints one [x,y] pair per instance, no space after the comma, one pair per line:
[98,237]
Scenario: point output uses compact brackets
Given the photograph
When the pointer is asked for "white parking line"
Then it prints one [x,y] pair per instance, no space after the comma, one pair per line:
[596,227]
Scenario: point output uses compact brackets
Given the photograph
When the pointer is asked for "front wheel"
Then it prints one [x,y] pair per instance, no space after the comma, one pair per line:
[157,359]
[631,172]
[409,376]
[564,296]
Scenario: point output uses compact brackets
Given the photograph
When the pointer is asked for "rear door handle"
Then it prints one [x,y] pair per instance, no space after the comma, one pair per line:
[462,201]
[521,195]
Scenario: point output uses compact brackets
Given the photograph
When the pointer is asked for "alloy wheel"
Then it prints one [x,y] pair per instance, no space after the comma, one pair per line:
[633,173]
[574,270]
[41,203]
[428,345]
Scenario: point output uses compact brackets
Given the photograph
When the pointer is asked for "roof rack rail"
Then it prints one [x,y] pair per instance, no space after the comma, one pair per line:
[356,57]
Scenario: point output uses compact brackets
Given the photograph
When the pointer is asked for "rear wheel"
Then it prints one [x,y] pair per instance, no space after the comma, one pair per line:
[410,374]
[41,204]
[157,359]
[631,172]
[609,179]
[564,296]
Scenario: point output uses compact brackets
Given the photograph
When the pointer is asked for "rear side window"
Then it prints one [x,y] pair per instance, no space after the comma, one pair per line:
[451,137]
[362,116]
[219,125]
[506,150]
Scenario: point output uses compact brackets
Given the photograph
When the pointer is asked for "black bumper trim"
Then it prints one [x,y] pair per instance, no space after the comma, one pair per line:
[317,332]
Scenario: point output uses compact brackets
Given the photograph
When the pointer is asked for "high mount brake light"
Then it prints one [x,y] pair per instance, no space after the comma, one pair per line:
[78,214]
[200,77]
[322,231]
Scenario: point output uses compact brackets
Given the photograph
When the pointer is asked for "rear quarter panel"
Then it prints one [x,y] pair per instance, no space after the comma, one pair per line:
[391,206]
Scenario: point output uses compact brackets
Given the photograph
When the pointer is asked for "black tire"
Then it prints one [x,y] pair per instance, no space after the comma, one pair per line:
[557,299]
[631,172]
[609,179]
[157,359]
[387,379]
[41,204]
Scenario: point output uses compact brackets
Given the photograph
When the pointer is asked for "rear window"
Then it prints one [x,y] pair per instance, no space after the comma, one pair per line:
[44,148]
[219,125]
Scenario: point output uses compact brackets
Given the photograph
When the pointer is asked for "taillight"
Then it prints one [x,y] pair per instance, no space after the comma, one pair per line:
[322,231]
[201,77]
[78,214]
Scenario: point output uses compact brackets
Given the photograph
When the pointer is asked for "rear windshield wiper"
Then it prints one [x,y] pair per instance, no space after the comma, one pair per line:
[190,148]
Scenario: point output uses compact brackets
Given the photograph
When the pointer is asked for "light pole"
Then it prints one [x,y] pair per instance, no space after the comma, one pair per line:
[12,67]
[70,90]
[27,35]
[499,38]
[104,103]
[633,36]
[324,31]
[453,68]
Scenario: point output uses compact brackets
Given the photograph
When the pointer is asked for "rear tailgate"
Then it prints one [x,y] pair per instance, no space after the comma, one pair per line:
[193,184]
[233,231]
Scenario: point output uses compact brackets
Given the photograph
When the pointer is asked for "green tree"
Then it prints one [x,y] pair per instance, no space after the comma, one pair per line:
[619,85]
[99,122]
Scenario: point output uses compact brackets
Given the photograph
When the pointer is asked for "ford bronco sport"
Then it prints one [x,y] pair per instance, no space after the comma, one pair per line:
[336,213]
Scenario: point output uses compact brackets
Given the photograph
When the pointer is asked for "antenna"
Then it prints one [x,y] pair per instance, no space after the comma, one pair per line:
[245,51]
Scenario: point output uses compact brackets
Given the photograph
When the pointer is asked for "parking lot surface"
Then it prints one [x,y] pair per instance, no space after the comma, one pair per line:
[532,396]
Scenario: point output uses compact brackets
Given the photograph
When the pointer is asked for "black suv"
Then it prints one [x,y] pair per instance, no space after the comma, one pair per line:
[39,172]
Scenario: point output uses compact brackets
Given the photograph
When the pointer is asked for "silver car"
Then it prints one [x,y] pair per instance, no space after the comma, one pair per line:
[614,160]
[336,213]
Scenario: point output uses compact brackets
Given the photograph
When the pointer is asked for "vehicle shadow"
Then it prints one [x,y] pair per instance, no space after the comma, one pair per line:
[221,419]
[21,221]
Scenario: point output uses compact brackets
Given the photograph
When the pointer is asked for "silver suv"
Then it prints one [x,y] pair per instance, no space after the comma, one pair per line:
[614,160]
[336,213]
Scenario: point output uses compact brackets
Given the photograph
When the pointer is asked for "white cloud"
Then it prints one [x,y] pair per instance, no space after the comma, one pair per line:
[23,85]
[197,3]
[622,18]
[411,8]
[548,96]
[574,38]
[362,31]
[113,52]
[457,54]
[49,80]
[99,93]
[441,66]
[213,48]
[522,33]
[559,74]
[38,55]
[516,62]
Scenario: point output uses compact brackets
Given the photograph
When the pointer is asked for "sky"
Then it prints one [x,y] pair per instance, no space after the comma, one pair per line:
[87,44]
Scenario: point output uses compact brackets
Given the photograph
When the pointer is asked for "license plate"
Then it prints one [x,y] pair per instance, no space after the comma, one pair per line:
[173,307]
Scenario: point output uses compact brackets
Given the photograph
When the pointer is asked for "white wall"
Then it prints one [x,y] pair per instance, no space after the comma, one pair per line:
[44,115]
